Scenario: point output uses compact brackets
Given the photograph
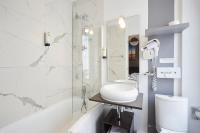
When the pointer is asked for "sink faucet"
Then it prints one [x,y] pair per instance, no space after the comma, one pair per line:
[135,77]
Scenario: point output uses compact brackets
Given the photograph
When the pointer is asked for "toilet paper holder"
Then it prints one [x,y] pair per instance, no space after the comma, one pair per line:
[196,113]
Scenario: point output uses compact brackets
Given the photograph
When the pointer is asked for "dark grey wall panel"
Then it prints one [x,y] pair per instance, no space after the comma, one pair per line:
[161,12]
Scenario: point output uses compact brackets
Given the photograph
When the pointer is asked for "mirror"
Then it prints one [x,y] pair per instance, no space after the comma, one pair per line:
[122,48]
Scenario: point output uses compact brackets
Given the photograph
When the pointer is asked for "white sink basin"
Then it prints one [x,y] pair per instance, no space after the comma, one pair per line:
[119,92]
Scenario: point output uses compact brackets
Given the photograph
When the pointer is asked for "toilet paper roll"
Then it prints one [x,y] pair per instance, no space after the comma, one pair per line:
[197,113]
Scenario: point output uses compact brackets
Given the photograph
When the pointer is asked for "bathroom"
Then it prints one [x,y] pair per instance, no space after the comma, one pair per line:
[68,57]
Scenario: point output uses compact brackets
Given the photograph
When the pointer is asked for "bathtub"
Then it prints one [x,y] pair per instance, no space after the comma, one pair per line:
[51,120]
[58,118]
[89,122]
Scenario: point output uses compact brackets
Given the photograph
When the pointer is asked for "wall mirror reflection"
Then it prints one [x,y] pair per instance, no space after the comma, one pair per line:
[122,39]
[133,54]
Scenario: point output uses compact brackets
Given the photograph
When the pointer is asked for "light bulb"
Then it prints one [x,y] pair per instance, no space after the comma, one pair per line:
[91,32]
[122,22]
[87,30]
[123,25]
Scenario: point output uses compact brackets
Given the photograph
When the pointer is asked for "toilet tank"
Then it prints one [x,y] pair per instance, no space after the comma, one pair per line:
[171,113]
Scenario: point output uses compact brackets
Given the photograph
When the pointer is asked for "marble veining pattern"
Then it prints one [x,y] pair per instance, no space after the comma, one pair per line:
[51,68]
[32,76]
[55,41]
[35,63]
[24,100]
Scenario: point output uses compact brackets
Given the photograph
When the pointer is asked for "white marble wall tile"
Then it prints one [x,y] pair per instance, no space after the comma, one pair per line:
[19,26]
[17,52]
[13,109]
[64,56]
[32,76]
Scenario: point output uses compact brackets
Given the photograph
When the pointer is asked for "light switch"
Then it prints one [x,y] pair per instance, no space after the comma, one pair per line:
[169,72]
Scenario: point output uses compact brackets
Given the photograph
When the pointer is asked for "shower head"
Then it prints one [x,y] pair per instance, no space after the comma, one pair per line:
[83,17]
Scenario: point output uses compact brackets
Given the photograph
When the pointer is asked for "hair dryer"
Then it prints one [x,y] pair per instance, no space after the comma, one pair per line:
[153,44]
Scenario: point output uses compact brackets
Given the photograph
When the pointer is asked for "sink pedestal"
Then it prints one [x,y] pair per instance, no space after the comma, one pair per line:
[118,113]
[116,117]
[126,121]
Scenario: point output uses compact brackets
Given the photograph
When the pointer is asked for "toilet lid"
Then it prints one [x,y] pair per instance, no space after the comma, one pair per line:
[169,131]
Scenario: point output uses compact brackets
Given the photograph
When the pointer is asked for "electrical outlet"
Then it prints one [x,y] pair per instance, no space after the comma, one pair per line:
[169,72]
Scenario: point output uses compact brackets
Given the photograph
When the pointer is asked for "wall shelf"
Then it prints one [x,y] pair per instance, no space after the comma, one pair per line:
[165,30]
[137,104]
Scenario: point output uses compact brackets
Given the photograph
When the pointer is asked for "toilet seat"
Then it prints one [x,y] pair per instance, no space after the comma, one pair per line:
[169,131]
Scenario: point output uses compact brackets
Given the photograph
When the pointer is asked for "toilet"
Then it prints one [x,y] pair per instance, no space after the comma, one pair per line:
[171,114]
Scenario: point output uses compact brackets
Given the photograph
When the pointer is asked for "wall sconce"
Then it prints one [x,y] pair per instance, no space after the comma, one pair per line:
[47,39]
[104,53]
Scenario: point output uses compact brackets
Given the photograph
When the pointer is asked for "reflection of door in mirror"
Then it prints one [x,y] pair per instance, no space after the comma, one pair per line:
[133,54]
